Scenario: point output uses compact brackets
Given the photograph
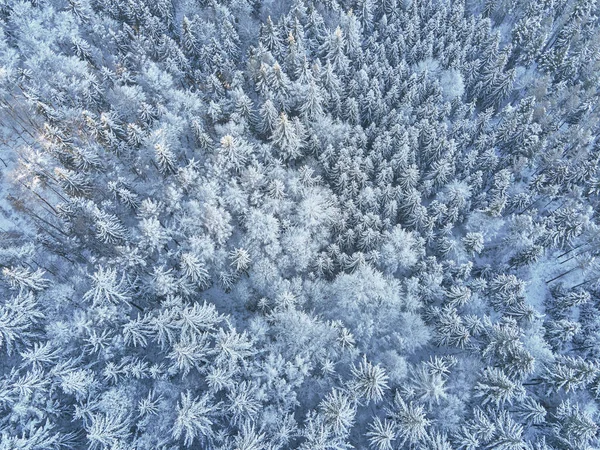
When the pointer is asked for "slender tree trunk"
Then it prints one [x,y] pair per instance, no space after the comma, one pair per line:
[562,275]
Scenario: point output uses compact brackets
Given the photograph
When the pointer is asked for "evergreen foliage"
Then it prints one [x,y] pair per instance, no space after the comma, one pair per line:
[252,224]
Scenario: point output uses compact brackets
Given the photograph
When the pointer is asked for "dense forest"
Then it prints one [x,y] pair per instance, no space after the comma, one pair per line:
[297,224]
